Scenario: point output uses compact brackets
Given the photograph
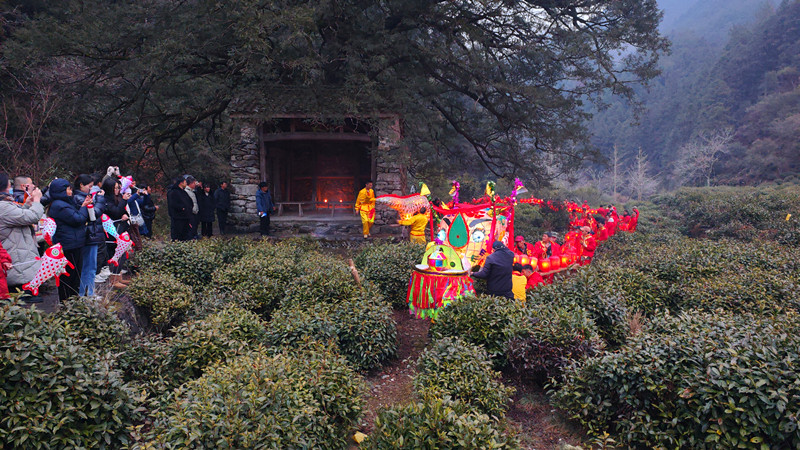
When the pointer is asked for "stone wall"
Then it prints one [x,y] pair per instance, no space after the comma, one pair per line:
[390,177]
[245,176]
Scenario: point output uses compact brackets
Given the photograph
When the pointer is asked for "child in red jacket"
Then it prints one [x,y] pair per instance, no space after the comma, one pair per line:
[5,264]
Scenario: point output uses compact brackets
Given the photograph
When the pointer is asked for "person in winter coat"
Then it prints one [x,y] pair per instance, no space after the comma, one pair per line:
[70,233]
[205,203]
[497,271]
[264,206]
[17,234]
[5,265]
[95,236]
[148,210]
[194,218]
[222,200]
[116,209]
[179,206]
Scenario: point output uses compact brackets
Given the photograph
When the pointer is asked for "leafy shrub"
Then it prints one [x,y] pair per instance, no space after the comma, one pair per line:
[698,380]
[389,266]
[191,263]
[642,292]
[199,343]
[453,368]
[162,296]
[329,280]
[755,290]
[229,249]
[264,273]
[362,328]
[310,400]
[304,243]
[96,327]
[740,213]
[437,423]
[482,320]
[54,393]
[144,365]
[549,339]
[216,299]
[604,305]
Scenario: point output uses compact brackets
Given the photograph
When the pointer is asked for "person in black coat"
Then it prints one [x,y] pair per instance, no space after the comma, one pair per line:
[179,206]
[222,200]
[497,271]
[116,210]
[95,236]
[148,209]
[70,233]
[205,202]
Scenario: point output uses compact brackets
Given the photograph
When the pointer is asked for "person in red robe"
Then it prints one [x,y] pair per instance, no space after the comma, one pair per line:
[611,221]
[634,221]
[602,232]
[534,278]
[521,247]
[624,221]
[547,247]
[588,244]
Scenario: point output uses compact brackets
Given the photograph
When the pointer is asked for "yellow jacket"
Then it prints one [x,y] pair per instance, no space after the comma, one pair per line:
[518,282]
[365,200]
[418,223]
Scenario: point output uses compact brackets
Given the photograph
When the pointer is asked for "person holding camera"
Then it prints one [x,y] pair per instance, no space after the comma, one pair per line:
[95,236]
[70,232]
[17,233]
[116,209]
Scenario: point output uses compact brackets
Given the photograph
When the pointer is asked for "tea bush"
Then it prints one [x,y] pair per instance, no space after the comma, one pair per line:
[229,249]
[361,327]
[585,290]
[329,280]
[642,292]
[741,213]
[453,368]
[264,273]
[164,299]
[482,320]
[199,343]
[698,380]
[755,290]
[551,338]
[309,400]
[216,299]
[54,393]
[388,266]
[437,423]
[192,263]
[95,326]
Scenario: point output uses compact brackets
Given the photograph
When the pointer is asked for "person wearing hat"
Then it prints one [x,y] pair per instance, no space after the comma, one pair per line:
[547,247]
[521,247]
[497,271]
[588,244]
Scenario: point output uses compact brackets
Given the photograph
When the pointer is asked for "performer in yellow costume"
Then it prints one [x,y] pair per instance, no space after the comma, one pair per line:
[418,222]
[365,205]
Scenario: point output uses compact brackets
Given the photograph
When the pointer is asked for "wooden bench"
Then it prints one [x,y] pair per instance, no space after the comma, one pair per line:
[340,205]
[298,204]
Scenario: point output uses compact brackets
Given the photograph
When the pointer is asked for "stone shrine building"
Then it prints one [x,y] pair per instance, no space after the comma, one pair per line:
[315,169]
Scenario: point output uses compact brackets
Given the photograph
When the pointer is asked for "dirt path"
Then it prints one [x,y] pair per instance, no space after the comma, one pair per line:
[540,427]
[393,385]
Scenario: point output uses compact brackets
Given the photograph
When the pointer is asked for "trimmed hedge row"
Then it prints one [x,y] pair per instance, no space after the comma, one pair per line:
[697,380]
[453,368]
[55,393]
[306,399]
[388,267]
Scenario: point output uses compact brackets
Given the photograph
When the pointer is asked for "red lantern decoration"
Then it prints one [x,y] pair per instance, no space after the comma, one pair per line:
[565,261]
[544,265]
[555,262]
